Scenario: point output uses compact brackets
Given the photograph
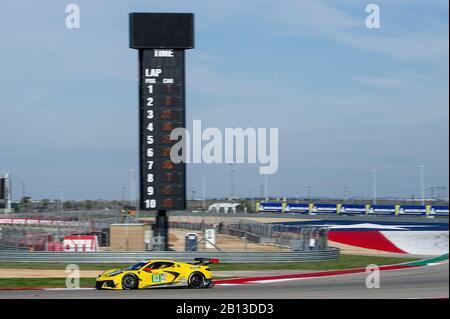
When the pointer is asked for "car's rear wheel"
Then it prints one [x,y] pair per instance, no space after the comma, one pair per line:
[209,284]
[130,282]
[196,280]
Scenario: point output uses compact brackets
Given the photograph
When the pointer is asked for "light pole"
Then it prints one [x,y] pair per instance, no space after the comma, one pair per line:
[266,187]
[346,193]
[122,195]
[422,184]
[132,184]
[204,192]
[133,192]
[232,168]
[24,192]
[374,186]
[309,192]
[61,200]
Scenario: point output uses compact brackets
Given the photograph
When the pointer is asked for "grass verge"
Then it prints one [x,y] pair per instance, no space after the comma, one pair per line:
[346,261]
[41,282]
[51,282]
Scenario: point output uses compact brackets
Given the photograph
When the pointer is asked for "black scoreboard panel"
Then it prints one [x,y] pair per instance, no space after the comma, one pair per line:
[162,109]
[161,30]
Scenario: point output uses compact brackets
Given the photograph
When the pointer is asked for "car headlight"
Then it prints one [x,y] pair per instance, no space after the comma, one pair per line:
[115,273]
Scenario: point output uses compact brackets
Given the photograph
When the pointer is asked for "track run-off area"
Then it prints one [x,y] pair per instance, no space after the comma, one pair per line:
[423,279]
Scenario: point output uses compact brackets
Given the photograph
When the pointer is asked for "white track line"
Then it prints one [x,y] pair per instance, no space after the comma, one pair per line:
[68,289]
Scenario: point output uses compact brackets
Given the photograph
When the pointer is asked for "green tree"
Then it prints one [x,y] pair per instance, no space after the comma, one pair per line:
[68,205]
[45,203]
[88,204]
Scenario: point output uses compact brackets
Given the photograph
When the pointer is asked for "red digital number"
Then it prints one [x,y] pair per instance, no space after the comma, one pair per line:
[167,127]
[169,177]
[167,203]
[168,165]
[166,114]
[167,190]
[166,139]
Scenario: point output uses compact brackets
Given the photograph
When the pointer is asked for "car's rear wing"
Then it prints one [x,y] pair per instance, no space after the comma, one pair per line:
[206,261]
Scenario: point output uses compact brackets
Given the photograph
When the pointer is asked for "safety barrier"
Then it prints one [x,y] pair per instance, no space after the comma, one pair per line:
[352,209]
[300,237]
[131,257]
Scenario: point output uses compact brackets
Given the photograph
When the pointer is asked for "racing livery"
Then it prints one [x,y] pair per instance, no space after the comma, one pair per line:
[158,273]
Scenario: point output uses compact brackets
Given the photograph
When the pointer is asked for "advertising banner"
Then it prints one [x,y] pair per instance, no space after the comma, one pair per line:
[439,211]
[348,209]
[325,209]
[40,222]
[297,208]
[81,243]
[6,221]
[271,207]
[417,210]
[382,210]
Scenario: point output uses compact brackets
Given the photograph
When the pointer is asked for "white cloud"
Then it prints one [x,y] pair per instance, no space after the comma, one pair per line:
[404,81]
[404,39]
[389,81]
[429,48]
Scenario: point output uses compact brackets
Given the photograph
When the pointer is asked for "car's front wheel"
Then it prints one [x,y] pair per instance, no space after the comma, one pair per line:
[196,280]
[130,282]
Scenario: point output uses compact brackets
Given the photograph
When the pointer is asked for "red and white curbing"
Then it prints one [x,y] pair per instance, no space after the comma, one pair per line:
[291,277]
[430,243]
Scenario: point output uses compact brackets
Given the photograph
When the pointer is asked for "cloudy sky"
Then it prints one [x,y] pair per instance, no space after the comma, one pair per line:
[346,99]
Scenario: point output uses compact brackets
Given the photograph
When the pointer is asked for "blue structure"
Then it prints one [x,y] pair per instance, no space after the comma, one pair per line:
[354,209]
[417,210]
[297,208]
[348,209]
[439,211]
[271,207]
[325,209]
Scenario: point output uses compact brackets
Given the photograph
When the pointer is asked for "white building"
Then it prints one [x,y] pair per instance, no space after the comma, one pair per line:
[223,207]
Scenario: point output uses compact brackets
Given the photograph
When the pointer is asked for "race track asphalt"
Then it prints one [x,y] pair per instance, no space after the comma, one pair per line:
[425,282]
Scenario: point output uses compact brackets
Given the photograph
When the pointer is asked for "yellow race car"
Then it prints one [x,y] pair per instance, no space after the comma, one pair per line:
[159,273]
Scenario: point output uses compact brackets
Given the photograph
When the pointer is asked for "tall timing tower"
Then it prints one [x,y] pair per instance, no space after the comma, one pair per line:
[161,40]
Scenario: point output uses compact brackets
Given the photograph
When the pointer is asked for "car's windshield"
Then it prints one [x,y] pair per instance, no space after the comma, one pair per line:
[136,266]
